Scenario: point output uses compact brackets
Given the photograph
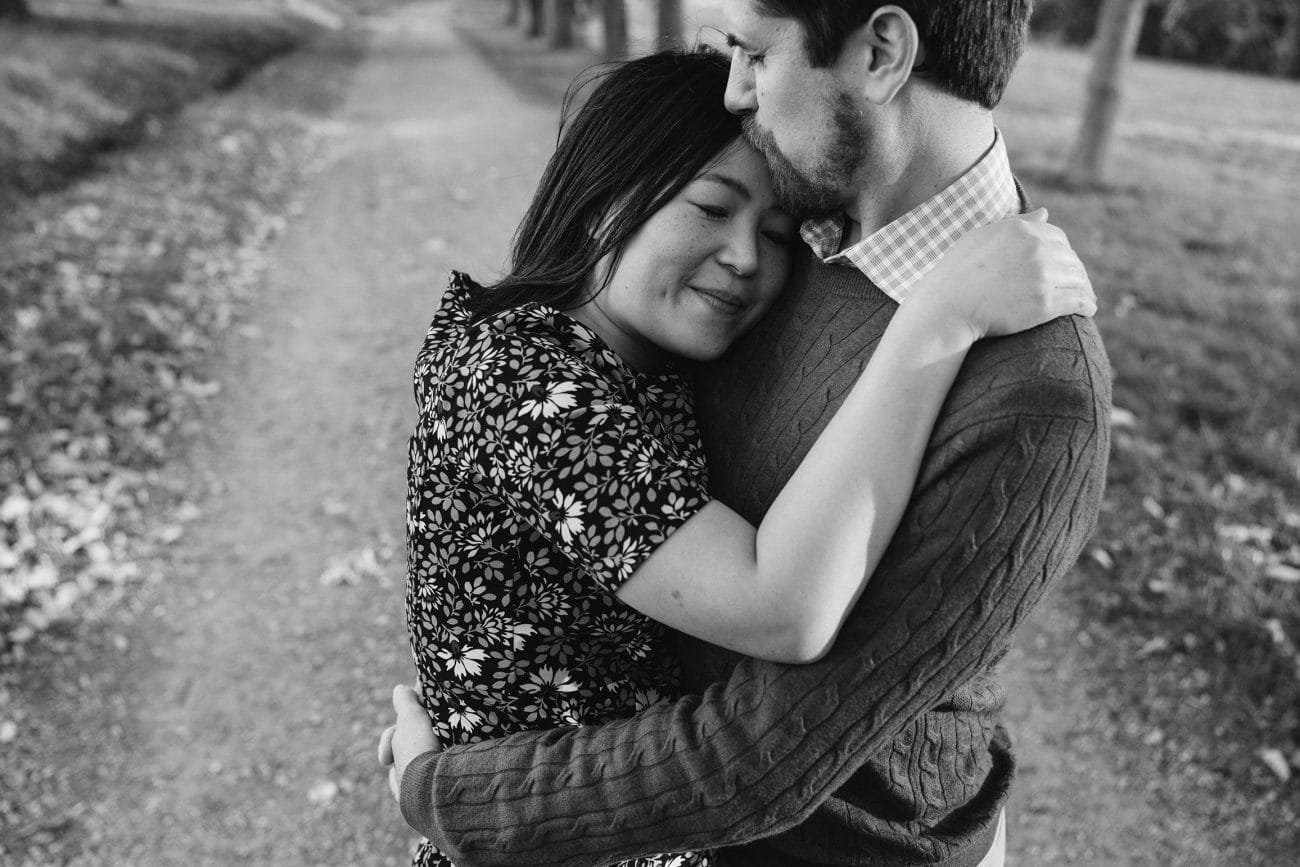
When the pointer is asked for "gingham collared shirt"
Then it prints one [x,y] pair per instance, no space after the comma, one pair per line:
[901,253]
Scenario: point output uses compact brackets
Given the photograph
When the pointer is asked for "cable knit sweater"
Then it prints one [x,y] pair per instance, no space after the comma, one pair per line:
[887,751]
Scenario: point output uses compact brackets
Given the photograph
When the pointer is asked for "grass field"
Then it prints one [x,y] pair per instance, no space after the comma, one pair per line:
[82,78]
[1189,597]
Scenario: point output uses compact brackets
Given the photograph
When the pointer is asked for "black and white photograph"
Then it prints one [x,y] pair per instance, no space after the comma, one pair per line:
[649,433]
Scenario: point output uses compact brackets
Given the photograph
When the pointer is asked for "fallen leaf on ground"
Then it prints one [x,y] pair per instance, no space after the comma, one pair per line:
[334,508]
[351,568]
[1275,631]
[1102,558]
[188,512]
[323,792]
[1243,533]
[168,535]
[1283,572]
[1120,417]
[1154,645]
[1275,762]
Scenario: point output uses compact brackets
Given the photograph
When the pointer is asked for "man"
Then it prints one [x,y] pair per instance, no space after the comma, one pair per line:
[875,119]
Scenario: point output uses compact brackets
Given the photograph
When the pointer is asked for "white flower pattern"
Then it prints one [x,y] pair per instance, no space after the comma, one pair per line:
[542,472]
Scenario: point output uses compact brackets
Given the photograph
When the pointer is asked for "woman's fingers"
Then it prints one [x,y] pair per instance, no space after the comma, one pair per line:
[386,746]
[1037,215]
[1076,299]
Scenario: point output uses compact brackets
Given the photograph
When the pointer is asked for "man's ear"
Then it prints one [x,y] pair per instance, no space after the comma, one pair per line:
[878,57]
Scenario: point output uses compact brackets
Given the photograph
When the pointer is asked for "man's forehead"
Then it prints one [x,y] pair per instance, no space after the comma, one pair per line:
[741,15]
[748,24]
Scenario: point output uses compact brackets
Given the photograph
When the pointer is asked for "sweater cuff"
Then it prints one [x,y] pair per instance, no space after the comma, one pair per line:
[416,799]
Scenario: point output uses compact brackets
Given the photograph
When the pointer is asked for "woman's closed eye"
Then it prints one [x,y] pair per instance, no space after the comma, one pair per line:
[778,228]
[713,212]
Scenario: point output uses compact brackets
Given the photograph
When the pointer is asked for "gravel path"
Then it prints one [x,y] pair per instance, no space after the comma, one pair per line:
[230,715]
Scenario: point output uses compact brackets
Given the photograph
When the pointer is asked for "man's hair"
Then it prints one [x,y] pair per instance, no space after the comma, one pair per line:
[648,128]
[970,46]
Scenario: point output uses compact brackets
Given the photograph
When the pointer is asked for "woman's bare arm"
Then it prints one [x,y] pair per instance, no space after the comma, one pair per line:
[781,591]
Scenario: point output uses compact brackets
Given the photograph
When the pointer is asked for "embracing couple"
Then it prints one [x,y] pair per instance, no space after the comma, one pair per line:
[727,499]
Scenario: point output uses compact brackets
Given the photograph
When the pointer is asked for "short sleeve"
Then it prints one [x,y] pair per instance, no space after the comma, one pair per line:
[602,480]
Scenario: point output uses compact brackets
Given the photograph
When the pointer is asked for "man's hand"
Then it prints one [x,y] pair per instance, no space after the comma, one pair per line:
[412,736]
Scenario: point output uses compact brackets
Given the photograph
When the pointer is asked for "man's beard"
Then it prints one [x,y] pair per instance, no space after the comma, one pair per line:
[821,190]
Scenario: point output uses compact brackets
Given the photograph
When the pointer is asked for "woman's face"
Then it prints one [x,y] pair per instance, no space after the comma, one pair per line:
[701,270]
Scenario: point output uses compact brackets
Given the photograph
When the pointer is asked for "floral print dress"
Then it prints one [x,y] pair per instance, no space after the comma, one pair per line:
[543,470]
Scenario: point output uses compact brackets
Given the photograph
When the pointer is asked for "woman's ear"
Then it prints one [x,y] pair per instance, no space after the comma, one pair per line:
[878,57]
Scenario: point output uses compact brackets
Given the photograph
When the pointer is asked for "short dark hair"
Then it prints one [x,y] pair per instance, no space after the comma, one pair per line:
[971,46]
[648,128]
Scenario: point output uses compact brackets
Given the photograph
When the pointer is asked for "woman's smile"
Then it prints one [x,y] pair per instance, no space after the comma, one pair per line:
[722,301]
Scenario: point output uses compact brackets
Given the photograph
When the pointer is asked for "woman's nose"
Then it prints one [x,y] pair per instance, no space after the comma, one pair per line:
[739,96]
[740,252]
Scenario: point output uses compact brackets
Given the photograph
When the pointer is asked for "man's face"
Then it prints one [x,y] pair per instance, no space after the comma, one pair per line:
[802,119]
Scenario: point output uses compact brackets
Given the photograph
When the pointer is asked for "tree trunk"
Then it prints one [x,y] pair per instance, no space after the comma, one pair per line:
[1118,27]
[514,12]
[14,10]
[1286,56]
[536,18]
[562,14]
[615,29]
[670,23]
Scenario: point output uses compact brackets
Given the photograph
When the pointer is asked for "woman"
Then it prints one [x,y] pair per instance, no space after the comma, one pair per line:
[557,485]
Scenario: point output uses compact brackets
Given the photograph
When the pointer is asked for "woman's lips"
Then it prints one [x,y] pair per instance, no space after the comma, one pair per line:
[720,300]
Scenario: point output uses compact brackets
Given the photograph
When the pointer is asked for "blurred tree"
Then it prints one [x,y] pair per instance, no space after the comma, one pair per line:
[615,29]
[1288,55]
[536,17]
[15,10]
[1256,35]
[514,11]
[562,14]
[670,22]
[1112,48]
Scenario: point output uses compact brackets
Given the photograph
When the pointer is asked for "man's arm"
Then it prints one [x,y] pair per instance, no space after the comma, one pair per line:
[1005,502]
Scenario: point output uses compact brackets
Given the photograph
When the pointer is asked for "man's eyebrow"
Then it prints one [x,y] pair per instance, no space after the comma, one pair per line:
[734,41]
[727,181]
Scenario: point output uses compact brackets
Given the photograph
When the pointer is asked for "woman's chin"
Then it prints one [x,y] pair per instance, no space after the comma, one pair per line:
[704,352]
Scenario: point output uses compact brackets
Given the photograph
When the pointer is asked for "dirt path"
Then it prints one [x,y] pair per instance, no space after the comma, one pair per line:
[231,719]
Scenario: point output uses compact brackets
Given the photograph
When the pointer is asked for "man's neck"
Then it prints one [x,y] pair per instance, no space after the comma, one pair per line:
[939,150]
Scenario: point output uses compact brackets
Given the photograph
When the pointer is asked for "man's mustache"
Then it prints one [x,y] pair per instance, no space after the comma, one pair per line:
[762,139]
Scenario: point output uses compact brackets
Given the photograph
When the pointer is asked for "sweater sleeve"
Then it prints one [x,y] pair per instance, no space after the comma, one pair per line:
[1007,496]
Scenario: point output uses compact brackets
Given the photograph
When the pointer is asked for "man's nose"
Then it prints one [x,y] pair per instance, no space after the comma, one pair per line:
[739,97]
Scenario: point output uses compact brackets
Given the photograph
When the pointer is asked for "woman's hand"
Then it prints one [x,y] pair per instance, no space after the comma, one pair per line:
[1006,277]
[412,736]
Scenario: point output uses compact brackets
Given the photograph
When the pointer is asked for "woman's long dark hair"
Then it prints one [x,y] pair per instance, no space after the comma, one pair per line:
[649,127]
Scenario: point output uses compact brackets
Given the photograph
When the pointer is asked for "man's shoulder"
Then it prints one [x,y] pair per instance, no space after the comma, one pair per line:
[1058,369]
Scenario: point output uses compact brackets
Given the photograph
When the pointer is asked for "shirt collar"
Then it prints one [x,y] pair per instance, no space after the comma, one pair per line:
[898,255]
